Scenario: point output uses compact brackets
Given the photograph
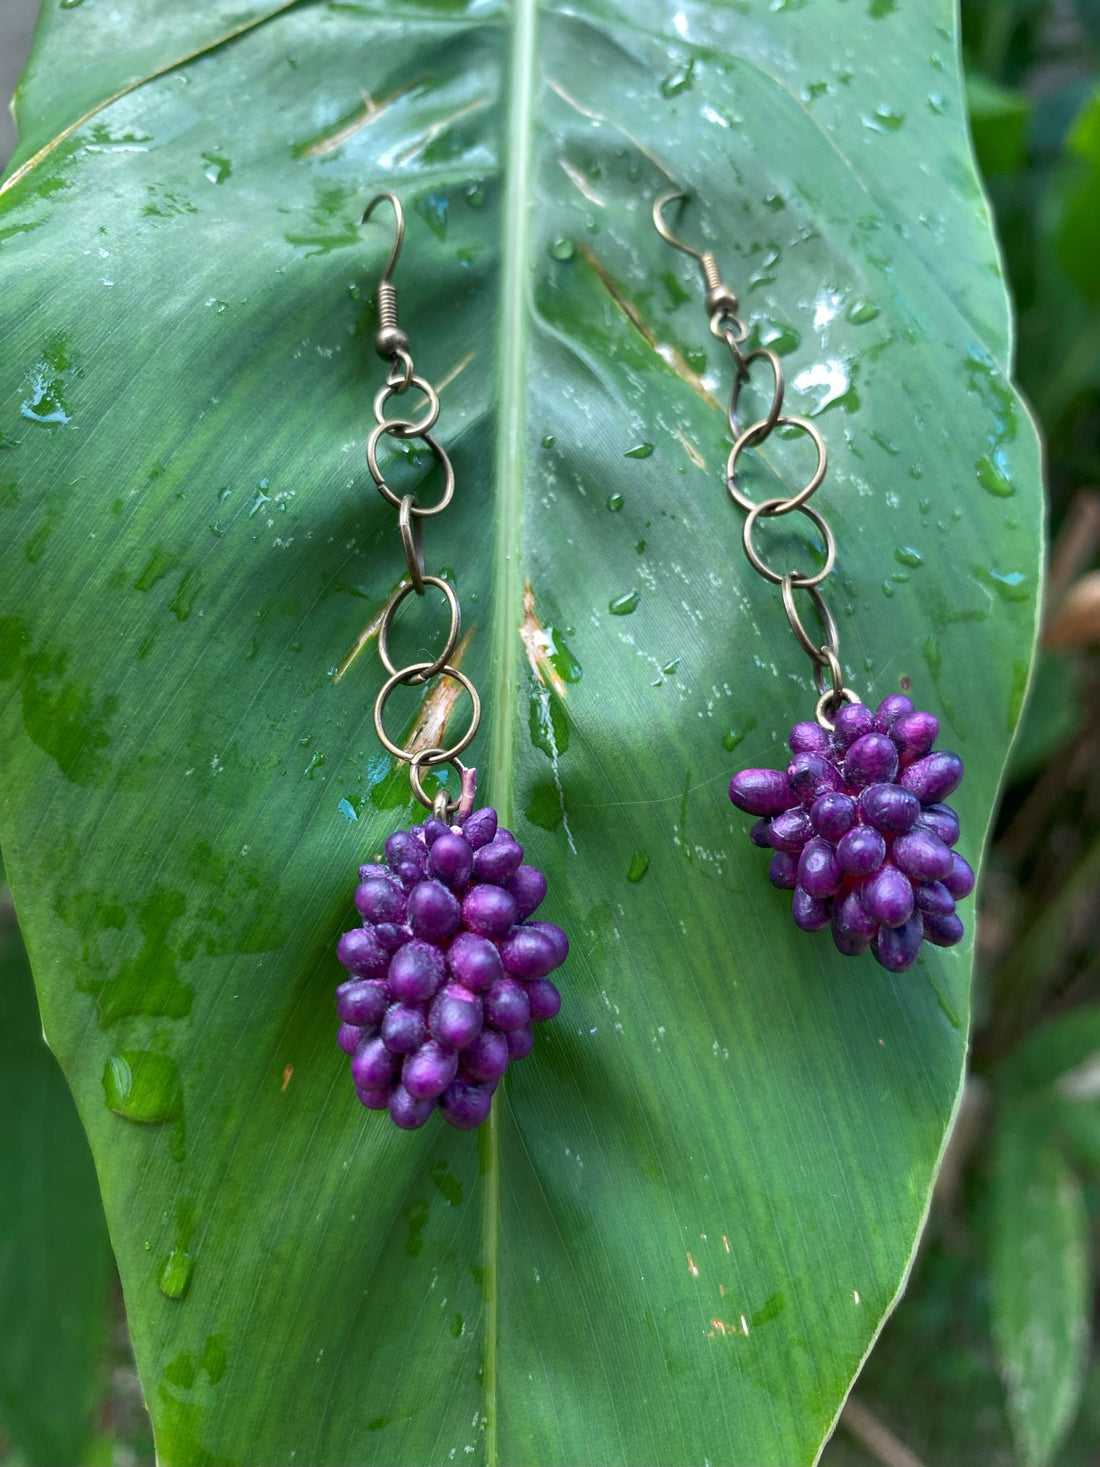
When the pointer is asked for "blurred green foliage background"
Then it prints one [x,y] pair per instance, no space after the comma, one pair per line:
[988,1357]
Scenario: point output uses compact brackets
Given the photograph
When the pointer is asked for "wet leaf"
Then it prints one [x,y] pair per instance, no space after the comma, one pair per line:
[701,1193]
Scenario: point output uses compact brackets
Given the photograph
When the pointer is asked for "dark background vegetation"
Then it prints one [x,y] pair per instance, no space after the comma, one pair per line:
[987,1359]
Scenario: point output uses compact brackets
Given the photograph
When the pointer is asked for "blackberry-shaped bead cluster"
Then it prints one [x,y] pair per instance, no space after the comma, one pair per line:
[860,832]
[447,972]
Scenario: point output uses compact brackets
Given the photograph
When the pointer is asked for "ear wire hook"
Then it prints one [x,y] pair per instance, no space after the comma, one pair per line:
[721,302]
[390,341]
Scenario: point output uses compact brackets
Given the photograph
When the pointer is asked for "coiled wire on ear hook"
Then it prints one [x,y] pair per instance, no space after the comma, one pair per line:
[390,341]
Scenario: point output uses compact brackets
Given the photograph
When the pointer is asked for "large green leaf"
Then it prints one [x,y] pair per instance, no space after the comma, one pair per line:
[56,1271]
[700,1196]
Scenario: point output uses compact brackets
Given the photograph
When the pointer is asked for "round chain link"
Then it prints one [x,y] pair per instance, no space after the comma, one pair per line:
[772,509]
[411,676]
[819,650]
[433,668]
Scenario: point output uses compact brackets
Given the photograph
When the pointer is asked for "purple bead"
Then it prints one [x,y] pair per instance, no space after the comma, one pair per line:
[455,1017]
[406,1111]
[544,999]
[922,856]
[416,971]
[487,1057]
[819,873]
[808,738]
[888,895]
[403,1028]
[372,1065]
[783,871]
[898,948]
[945,929]
[914,734]
[520,1042]
[374,868]
[852,722]
[888,807]
[557,937]
[852,918]
[861,851]
[809,775]
[404,853]
[452,860]
[960,879]
[433,911]
[474,962]
[762,792]
[933,778]
[791,830]
[433,829]
[758,833]
[890,710]
[428,1071]
[380,899]
[527,953]
[465,1106]
[933,897]
[480,828]
[362,1001]
[833,815]
[851,944]
[527,885]
[941,820]
[872,759]
[809,912]
[348,1037]
[374,1099]
[361,953]
[507,1005]
[496,861]
[489,910]
[392,936]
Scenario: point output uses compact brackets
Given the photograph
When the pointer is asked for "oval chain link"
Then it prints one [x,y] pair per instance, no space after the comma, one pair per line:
[411,514]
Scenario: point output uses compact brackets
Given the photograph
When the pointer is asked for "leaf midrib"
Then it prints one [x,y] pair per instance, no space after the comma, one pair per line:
[516,153]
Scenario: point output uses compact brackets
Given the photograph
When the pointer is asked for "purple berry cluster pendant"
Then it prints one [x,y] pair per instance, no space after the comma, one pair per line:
[857,820]
[447,973]
[860,831]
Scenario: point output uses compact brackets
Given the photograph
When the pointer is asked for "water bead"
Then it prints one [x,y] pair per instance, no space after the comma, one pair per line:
[762,791]
[433,911]
[403,1027]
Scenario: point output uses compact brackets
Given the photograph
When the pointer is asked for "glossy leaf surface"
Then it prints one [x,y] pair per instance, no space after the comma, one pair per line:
[700,1195]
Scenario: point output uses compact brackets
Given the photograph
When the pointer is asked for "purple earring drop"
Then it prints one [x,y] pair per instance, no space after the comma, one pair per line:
[857,823]
[447,973]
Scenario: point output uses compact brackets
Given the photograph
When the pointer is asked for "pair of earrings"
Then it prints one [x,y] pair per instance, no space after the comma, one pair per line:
[449,970]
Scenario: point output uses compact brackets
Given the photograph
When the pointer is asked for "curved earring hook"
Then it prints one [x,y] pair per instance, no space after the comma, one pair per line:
[399,233]
[663,229]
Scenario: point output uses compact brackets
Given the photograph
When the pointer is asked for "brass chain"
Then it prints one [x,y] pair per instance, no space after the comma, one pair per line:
[823,650]
[392,344]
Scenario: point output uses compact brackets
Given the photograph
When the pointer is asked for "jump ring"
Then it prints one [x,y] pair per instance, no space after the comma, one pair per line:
[409,676]
[834,697]
[750,435]
[442,799]
[431,669]
[769,509]
[813,649]
[765,425]
[728,328]
[412,539]
[400,383]
[407,427]
[385,490]
[831,661]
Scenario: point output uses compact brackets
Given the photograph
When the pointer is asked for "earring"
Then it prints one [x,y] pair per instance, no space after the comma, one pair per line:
[856,821]
[447,972]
